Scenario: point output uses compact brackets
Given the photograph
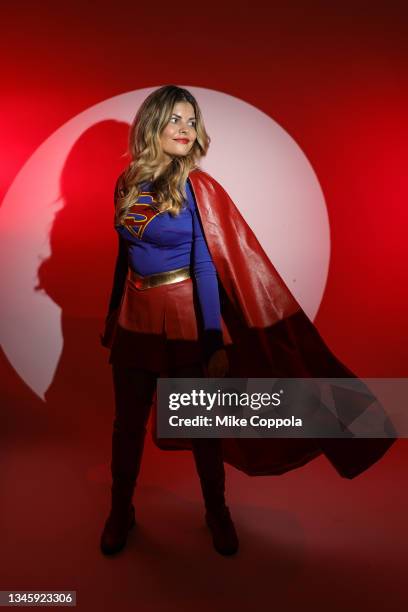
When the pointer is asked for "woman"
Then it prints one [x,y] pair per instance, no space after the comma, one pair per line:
[166,325]
[194,294]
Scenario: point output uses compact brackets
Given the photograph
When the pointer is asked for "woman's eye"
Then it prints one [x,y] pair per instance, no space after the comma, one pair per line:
[175,119]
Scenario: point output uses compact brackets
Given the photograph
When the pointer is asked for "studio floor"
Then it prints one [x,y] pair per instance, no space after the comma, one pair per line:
[310,540]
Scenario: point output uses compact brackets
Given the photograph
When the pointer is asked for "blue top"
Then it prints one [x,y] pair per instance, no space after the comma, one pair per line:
[157,242]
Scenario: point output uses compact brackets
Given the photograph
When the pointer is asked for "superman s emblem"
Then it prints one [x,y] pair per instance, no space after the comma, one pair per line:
[140,214]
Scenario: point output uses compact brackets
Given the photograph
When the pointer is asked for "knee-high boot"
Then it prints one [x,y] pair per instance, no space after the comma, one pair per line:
[210,467]
[133,396]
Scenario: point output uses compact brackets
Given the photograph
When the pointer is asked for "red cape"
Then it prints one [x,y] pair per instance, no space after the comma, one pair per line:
[266,323]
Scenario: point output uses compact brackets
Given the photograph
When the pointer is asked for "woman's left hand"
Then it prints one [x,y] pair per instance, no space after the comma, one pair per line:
[218,364]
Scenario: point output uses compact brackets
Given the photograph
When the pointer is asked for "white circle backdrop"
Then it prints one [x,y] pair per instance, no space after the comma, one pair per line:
[258,163]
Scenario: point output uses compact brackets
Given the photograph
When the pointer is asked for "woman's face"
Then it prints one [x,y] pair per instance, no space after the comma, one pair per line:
[178,136]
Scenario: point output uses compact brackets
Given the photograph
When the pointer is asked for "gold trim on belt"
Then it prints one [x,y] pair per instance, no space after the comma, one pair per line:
[162,278]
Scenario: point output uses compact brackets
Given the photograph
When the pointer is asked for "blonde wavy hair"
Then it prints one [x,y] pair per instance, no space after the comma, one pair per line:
[145,151]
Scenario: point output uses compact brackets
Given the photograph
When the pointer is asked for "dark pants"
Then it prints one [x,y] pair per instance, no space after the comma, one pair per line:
[134,389]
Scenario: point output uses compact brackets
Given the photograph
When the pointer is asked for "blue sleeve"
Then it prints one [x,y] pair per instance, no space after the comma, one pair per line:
[207,284]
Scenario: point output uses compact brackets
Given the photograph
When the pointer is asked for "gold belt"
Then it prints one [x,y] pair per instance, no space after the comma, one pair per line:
[162,278]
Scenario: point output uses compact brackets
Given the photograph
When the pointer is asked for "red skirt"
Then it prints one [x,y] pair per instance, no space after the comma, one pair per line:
[159,328]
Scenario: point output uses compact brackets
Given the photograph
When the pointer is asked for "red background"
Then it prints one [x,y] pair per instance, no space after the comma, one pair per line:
[334,76]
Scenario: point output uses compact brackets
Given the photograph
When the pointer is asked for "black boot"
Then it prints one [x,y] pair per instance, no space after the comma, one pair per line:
[134,390]
[223,531]
[210,467]
[127,451]
[116,529]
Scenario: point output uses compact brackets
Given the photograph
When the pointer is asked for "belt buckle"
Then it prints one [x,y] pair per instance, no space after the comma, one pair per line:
[162,278]
[139,282]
